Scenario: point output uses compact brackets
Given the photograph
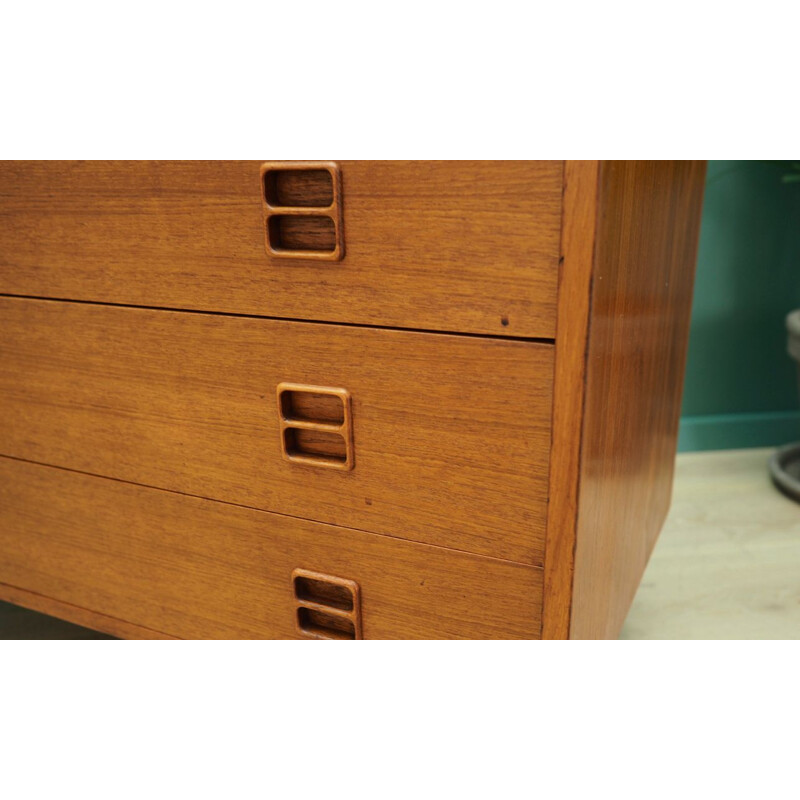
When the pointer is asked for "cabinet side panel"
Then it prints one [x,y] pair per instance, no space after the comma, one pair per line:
[645,254]
[574,283]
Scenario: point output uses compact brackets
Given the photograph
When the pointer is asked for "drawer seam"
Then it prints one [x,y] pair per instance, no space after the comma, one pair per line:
[90,611]
[467,334]
[276,513]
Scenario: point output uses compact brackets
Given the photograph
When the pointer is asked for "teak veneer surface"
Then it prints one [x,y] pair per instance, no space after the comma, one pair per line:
[77,615]
[192,568]
[451,434]
[549,461]
[646,251]
[644,255]
[581,187]
[466,246]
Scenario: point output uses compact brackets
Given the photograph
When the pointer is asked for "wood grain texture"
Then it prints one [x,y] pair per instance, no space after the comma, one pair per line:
[303,210]
[581,185]
[451,434]
[327,607]
[456,246]
[75,614]
[194,568]
[645,255]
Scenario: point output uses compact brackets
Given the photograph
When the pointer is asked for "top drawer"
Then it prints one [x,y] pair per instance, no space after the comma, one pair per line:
[457,246]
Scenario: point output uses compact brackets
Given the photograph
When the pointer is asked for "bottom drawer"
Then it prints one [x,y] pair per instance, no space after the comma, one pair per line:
[194,568]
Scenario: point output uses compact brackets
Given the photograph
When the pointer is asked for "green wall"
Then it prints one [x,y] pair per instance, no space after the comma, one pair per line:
[741,387]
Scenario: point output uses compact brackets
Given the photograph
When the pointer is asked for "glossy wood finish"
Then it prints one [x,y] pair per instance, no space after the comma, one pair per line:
[466,246]
[581,186]
[450,433]
[645,255]
[549,461]
[194,568]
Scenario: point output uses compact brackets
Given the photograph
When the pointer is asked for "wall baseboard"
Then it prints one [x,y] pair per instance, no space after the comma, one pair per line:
[735,431]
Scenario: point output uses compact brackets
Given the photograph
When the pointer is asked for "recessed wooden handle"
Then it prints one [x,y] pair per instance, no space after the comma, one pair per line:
[316,425]
[327,607]
[302,203]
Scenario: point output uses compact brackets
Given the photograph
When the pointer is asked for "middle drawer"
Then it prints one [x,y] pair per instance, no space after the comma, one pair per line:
[430,437]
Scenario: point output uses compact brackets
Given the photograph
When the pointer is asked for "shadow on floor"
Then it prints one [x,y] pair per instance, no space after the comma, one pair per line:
[19,623]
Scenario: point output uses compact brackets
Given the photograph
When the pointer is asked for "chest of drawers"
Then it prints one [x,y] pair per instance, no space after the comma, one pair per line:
[340,399]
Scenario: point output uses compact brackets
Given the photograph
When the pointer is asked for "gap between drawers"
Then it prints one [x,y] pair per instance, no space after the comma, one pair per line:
[537,566]
[533,340]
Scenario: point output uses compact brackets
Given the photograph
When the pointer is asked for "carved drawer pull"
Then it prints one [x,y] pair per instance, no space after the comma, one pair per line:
[316,425]
[327,607]
[302,203]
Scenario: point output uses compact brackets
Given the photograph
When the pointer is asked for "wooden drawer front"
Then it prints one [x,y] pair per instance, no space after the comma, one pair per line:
[450,434]
[453,246]
[194,568]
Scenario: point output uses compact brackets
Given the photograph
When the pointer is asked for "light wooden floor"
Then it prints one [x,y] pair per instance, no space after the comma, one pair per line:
[727,565]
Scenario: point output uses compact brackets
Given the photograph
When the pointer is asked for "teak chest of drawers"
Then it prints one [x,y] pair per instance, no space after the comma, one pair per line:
[340,399]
